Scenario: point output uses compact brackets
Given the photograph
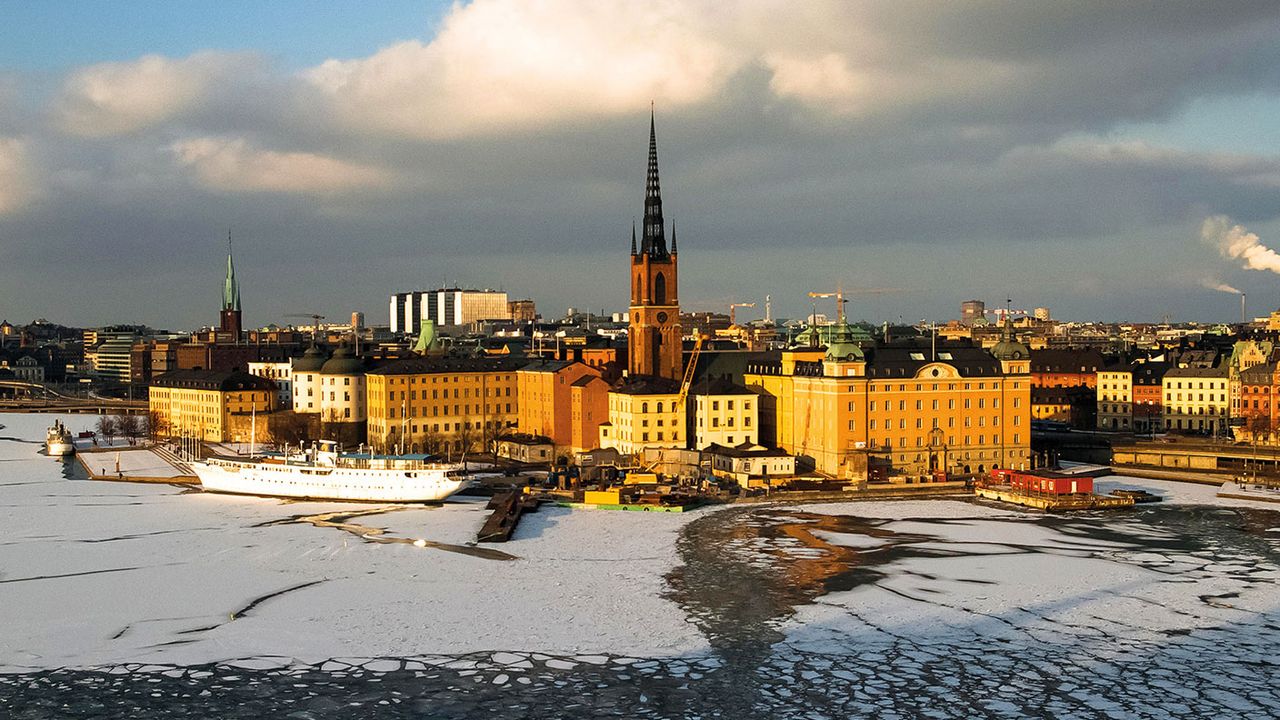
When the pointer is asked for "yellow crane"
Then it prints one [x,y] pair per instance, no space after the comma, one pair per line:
[733,317]
[689,370]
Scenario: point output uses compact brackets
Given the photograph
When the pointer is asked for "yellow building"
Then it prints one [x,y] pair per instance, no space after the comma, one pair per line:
[446,405]
[1197,399]
[897,413]
[213,405]
[644,413]
[724,414]
[1115,398]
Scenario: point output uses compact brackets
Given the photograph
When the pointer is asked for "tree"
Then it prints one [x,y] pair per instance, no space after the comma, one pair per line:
[1259,428]
[154,425]
[106,427]
[466,437]
[130,426]
[288,428]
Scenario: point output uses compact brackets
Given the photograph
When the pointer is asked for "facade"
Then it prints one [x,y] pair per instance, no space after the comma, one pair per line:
[446,307]
[751,465]
[113,360]
[342,395]
[215,406]
[724,414]
[526,448]
[1197,399]
[545,389]
[280,373]
[654,336]
[1115,398]
[1259,408]
[522,311]
[305,375]
[1148,396]
[27,369]
[588,410]
[644,413]
[1066,368]
[897,413]
[446,405]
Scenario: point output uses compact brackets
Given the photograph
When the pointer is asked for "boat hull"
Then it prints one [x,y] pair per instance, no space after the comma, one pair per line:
[59,449]
[324,483]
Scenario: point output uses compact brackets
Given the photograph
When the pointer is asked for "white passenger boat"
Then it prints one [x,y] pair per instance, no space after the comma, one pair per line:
[58,441]
[322,473]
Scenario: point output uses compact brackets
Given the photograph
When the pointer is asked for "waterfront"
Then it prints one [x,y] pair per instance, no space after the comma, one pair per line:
[153,601]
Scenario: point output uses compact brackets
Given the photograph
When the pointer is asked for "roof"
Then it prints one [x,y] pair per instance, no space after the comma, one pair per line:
[550,366]
[451,364]
[220,380]
[343,362]
[1258,374]
[1067,361]
[647,386]
[586,380]
[745,450]
[1198,372]
[903,362]
[719,386]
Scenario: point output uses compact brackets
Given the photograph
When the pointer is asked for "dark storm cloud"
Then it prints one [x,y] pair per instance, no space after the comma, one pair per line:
[846,130]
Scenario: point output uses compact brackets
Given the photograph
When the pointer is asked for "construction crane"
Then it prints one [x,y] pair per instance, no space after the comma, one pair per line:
[733,316]
[841,296]
[315,323]
[689,370]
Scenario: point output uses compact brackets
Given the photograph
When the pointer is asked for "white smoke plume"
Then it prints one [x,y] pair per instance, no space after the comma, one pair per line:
[1213,284]
[1237,243]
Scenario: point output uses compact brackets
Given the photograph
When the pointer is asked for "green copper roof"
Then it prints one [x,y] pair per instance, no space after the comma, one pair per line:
[230,288]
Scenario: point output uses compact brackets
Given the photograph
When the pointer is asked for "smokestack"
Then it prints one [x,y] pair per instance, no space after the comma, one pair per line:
[1243,315]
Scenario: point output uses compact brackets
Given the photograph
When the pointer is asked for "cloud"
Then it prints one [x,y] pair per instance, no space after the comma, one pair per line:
[515,65]
[123,97]
[17,187]
[232,165]
[1237,243]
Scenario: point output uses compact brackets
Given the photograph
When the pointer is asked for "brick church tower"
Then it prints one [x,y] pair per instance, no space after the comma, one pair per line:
[654,336]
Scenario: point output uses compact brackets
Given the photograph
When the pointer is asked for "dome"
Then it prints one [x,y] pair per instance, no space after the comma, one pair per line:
[311,361]
[343,362]
[1010,350]
[842,343]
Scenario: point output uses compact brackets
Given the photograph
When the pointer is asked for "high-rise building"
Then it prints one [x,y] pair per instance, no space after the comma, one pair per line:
[446,307]
[523,310]
[971,311]
[654,335]
[1040,313]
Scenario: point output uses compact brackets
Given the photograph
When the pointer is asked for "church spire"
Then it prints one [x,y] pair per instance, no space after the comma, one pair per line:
[230,287]
[633,236]
[673,237]
[654,243]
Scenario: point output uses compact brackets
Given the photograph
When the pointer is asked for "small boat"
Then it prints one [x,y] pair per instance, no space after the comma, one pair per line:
[323,473]
[58,441]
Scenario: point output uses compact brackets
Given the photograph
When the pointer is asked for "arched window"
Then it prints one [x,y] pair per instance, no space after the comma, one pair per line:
[660,290]
[644,407]
[659,406]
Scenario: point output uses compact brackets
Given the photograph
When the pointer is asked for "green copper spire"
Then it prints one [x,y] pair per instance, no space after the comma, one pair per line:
[230,288]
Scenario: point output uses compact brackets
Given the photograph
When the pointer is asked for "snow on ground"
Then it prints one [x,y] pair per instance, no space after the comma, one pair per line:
[95,573]
[130,461]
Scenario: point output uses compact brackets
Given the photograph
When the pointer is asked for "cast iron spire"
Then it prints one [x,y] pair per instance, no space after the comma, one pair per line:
[654,243]
[633,236]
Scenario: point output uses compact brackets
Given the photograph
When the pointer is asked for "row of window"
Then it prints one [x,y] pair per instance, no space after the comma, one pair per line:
[437,411]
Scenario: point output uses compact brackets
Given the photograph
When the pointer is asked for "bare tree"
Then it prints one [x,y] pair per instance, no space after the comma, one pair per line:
[1259,428]
[106,427]
[466,437]
[130,426]
[154,425]
[288,428]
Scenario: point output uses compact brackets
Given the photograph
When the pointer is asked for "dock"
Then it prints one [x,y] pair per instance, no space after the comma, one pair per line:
[134,464]
[1053,503]
[507,506]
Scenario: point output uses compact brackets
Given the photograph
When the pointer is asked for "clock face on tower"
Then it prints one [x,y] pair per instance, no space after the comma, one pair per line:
[662,317]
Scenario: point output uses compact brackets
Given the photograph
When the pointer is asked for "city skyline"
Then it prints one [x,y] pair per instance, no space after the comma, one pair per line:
[1067,157]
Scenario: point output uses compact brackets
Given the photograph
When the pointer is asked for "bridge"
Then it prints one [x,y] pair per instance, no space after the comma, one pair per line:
[36,397]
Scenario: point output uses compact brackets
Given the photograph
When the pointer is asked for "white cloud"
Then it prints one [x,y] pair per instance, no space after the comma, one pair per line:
[500,64]
[232,165]
[123,97]
[16,185]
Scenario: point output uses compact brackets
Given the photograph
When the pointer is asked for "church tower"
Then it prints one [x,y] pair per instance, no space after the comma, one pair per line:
[229,318]
[654,336]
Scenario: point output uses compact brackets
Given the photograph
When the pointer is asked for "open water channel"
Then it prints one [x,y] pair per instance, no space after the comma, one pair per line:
[1166,611]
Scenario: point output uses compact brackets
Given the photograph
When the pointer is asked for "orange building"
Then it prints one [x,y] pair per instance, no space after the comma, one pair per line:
[588,410]
[546,391]
[1066,368]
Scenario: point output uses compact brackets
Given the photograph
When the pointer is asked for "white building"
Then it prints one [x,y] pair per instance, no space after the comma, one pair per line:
[447,306]
[724,414]
[342,388]
[305,375]
[281,373]
[751,465]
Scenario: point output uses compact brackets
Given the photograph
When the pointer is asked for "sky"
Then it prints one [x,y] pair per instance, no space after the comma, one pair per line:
[1099,159]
